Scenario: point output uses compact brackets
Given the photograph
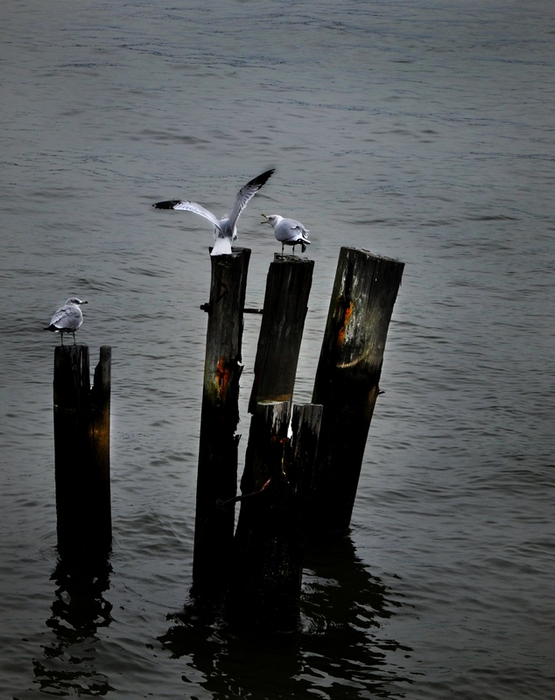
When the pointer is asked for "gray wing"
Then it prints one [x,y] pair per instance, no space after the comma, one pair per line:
[246,193]
[191,206]
[69,317]
[289,230]
[297,226]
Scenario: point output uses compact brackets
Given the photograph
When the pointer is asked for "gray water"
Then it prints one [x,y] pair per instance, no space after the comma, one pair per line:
[419,130]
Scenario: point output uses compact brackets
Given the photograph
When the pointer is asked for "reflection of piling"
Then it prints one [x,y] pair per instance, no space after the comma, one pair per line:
[269,543]
[82,451]
[347,378]
[79,610]
[217,469]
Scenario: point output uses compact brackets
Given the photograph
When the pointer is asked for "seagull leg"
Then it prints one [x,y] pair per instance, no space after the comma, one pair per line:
[73,337]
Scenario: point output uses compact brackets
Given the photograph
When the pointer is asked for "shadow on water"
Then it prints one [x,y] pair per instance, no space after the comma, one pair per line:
[78,611]
[339,650]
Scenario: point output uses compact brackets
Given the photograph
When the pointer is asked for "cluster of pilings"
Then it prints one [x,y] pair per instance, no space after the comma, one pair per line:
[302,462]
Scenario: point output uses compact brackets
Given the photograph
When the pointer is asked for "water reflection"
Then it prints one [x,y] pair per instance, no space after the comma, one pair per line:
[338,652]
[78,611]
[344,648]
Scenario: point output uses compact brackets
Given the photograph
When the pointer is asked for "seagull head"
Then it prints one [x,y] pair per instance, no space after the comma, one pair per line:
[75,301]
[273,219]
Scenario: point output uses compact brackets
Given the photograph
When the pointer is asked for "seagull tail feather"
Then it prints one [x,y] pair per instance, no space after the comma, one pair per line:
[222,246]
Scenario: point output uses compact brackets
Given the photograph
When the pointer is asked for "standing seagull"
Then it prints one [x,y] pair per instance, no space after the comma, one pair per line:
[225,230]
[288,231]
[67,319]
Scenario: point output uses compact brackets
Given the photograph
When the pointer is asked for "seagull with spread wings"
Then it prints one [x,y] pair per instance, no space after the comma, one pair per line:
[225,229]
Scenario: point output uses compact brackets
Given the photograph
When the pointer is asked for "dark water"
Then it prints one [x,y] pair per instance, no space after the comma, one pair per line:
[422,131]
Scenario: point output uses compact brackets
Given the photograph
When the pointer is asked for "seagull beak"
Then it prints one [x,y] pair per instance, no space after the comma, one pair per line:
[265,219]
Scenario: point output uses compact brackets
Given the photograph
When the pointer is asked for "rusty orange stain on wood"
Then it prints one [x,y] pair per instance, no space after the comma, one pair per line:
[222,377]
[346,318]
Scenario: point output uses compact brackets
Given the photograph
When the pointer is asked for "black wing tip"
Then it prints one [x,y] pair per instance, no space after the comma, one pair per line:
[170,204]
[262,179]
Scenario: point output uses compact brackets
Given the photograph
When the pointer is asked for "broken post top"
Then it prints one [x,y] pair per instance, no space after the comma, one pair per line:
[72,381]
[346,250]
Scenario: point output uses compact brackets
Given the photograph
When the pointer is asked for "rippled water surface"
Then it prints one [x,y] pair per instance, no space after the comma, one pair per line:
[422,131]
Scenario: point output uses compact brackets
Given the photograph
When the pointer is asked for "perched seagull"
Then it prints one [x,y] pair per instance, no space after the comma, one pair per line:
[225,230]
[288,231]
[67,319]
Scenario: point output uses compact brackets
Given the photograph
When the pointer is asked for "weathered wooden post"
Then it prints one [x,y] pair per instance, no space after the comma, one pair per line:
[268,551]
[347,378]
[217,466]
[281,331]
[301,458]
[82,452]
[269,543]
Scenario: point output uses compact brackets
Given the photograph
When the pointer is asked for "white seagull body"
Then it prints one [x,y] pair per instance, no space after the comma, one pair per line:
[288,231]
[225,229]
[67,319]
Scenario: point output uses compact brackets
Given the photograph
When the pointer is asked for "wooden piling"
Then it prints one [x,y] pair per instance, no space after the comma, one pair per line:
[217,466]
[269,542]
[264,587]
[347,378]
[82,452]
[285,307]
[301,458]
